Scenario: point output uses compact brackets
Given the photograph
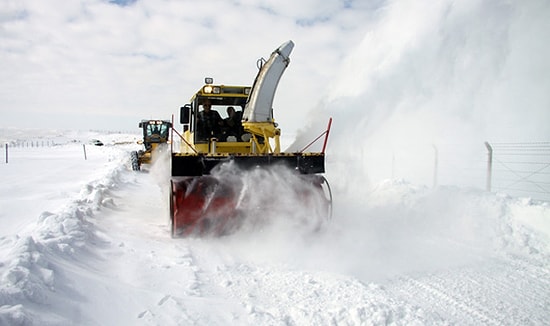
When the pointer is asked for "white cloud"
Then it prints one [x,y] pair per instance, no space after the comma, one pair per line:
[146,58]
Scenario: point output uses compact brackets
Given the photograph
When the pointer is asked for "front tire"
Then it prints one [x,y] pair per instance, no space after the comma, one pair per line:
[135,161]
[172,224]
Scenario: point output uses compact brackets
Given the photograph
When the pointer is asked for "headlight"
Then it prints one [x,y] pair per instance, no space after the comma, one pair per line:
[207,89]
[247,91]
[216,90]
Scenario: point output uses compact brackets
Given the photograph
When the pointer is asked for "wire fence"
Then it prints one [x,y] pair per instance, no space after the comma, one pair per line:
[21,153]
[31,143]
[519,169]
[522,169]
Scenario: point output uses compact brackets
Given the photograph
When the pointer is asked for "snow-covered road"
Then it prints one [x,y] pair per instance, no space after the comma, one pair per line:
[404,255]
[87,241]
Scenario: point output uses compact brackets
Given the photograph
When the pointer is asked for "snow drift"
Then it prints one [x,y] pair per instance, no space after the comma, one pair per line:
[87,241]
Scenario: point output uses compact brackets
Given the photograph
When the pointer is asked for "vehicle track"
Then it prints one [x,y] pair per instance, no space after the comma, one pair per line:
[498,291]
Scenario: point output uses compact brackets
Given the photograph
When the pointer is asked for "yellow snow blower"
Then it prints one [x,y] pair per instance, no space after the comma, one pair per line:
[246,140]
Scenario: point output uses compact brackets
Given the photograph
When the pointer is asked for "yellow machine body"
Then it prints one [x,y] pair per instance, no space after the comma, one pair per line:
[200,202]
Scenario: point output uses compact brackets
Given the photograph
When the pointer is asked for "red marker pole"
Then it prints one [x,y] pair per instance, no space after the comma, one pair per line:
[326,136]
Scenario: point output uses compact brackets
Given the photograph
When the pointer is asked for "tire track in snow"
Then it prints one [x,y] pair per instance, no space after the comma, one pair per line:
[531,268]
[491,293]
[439,296]
[163,273]
[272,293]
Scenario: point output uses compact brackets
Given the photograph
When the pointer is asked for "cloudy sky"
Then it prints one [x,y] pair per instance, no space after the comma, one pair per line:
[99,64]
[393,71]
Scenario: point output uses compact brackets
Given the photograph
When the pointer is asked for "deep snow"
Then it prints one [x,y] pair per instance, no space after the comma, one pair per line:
[86,242]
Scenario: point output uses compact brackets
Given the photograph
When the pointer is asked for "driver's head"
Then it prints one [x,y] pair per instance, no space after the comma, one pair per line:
[206,105]
[230,111]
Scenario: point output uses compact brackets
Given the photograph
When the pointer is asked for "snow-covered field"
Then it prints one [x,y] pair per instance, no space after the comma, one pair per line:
[86,242]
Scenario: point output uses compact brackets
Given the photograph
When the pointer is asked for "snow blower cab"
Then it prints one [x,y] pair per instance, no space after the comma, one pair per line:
[229,131]
[214,118]
[155,133]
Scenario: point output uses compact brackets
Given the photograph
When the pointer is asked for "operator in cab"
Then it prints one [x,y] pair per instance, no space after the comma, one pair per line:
[232,124]
[209,122]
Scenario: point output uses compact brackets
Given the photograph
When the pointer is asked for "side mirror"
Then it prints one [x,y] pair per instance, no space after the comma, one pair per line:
[185,114]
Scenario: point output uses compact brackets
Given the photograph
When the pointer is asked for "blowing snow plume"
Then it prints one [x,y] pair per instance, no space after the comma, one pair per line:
[427,76]
[273,197]
[450,74]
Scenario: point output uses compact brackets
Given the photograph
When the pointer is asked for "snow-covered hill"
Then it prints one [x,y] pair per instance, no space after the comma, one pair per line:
[86,242]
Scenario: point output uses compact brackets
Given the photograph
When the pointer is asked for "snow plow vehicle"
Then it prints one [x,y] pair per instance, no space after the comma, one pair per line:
[211,190]
[155,133]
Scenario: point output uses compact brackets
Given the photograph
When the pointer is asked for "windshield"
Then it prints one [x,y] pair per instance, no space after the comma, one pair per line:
[219,120]
[157,130]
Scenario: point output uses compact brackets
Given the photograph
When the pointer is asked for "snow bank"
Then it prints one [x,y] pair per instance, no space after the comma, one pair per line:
[32,287]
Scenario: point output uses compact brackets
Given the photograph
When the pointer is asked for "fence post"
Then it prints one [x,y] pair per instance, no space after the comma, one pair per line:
[393,166]
[489,166]
[84,147]
[436,154]
[6,153]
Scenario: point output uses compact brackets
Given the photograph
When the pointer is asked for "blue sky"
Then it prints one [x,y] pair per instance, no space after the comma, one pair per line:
[123,3]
